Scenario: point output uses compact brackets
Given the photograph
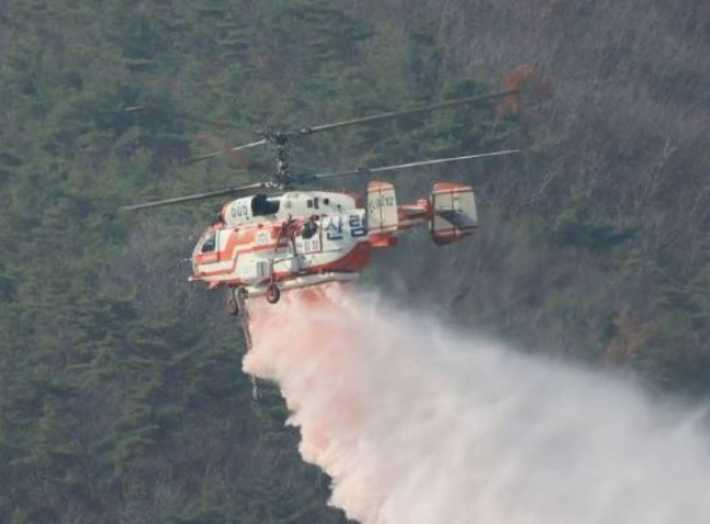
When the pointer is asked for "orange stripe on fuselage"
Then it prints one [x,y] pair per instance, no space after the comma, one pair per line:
[232,251]
[355,261]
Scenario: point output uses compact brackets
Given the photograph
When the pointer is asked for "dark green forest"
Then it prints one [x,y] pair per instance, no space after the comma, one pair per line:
[122,398]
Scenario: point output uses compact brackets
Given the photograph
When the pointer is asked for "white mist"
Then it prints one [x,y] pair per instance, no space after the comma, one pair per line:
[418,425]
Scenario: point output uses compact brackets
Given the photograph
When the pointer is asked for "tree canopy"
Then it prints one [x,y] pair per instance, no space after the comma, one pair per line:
[121,394]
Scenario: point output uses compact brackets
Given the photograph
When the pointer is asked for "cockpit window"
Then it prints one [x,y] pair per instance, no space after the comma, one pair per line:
[261,205]
[209,244]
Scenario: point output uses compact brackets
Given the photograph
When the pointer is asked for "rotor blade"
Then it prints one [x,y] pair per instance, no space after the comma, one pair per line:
[192,198]
[201,157]
[406,112]
[371,170]
[235,156]
[250,144]
[218,153]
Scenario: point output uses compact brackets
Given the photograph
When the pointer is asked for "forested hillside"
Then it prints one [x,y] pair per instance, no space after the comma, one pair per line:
[121,394]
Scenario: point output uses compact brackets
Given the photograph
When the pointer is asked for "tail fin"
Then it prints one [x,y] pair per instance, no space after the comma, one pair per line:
[455,215]
[381,208]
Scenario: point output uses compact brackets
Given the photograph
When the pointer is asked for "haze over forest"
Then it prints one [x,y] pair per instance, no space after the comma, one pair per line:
[121,392]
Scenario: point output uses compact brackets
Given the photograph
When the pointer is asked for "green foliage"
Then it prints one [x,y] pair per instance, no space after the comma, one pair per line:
[580,225]
[121,392]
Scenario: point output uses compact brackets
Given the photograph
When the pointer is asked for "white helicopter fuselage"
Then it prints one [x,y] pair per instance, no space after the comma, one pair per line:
[303,238]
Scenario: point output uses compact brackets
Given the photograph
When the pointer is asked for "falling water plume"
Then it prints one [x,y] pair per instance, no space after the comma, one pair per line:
[416,424]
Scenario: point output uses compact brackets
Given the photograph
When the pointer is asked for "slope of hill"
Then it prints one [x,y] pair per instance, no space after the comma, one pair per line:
[121,396]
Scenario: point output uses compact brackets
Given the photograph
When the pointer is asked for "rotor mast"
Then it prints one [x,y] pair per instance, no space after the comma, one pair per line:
[281,142]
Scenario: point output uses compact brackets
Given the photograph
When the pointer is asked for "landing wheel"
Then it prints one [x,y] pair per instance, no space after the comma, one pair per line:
[273,293]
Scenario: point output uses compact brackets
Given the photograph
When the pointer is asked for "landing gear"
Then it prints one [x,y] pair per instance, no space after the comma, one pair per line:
[273,293]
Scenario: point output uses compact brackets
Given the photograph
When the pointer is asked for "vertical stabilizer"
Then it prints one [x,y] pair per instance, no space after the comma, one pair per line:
[381,208]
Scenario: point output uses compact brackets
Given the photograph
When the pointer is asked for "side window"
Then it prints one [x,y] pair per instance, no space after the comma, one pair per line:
[315,202]
[210,243]
[262,205]
[309,203]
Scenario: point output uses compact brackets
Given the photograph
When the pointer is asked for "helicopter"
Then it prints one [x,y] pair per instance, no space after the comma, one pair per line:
[276,237]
